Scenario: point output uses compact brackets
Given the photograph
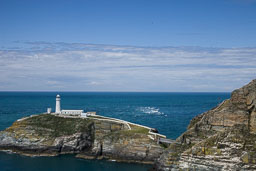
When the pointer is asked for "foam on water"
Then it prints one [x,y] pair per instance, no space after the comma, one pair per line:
[150,110]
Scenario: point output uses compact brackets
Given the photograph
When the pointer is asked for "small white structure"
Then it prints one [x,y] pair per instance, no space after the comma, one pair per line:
[91,113]
[72,112]
[57,109]
[49,110]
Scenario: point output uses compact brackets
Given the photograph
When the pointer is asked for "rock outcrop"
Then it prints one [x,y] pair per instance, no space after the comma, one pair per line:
[90,138]
[223,138]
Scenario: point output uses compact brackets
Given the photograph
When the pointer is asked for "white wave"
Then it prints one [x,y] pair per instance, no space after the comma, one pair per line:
[150,110]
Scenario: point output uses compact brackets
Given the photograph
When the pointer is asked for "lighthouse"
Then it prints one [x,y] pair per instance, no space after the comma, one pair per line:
[57,109]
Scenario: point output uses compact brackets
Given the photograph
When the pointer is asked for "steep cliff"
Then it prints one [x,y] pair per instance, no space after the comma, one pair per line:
[223,138]
[90,138]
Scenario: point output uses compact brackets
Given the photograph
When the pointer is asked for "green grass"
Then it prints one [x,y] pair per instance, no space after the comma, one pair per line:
[138,129]
[58,126]
[135,132]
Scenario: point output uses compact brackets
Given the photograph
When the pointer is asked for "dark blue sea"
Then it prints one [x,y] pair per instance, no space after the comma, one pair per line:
[170,113]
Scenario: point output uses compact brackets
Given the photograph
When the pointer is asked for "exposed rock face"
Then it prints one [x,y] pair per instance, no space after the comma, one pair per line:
[223,138]
[88,138]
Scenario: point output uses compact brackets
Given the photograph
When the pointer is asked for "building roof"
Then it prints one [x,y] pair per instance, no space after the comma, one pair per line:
[72,110]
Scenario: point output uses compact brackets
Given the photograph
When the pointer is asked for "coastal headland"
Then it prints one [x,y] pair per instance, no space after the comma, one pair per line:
[223,138]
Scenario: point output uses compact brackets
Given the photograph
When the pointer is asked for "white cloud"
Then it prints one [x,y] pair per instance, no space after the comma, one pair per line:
[85,67]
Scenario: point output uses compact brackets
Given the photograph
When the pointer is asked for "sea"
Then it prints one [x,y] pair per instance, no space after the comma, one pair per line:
[169,113]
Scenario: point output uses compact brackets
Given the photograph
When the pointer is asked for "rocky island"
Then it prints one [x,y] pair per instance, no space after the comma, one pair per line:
[87,135]
[223,138]
[93,137]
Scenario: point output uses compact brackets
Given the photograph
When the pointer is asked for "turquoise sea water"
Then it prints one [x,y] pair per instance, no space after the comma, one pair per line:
[170,113]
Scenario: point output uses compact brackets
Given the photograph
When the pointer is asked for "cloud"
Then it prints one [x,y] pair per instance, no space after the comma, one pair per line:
[91,67]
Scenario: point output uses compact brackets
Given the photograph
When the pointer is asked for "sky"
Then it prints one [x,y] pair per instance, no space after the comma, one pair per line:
[128,45]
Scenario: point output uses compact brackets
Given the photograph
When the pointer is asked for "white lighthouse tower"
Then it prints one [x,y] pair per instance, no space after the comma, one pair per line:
[57,109]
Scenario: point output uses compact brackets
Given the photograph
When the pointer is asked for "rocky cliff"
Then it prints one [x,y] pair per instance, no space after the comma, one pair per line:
[89,138]
[223,138]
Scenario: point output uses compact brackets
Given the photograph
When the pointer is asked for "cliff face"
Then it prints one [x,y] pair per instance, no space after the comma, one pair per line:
[223,138]
[47,134]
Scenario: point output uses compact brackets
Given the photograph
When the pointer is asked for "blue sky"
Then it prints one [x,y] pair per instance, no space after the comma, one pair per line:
[214,23]
[128,45]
